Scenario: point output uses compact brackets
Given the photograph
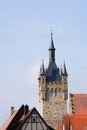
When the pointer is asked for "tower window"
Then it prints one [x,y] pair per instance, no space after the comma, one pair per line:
[55,92]
[59,89]
[48,92]
[52,92]
[42,81]
[65,81]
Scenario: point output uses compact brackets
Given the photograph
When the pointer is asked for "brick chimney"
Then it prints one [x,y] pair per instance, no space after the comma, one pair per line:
[26,109]
[12,110]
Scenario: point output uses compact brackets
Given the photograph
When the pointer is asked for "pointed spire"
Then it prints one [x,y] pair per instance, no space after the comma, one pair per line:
[42,70]
[65,71]
[51,47]
[51,50]
[61,71]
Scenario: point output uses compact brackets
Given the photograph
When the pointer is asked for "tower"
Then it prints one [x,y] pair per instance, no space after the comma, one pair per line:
[53,89]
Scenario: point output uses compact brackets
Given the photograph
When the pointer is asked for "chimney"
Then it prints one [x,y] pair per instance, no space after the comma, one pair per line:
[12,110]
[26,109]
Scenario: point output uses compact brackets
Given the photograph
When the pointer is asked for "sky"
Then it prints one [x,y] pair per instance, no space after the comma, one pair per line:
[25,27]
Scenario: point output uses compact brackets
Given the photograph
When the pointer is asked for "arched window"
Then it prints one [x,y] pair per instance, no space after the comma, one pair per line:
[51,92]
[55,92]
[42,81]
[48,92]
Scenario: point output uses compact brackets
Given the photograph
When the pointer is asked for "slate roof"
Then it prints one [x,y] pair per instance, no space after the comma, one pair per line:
[51,46]
[53,73]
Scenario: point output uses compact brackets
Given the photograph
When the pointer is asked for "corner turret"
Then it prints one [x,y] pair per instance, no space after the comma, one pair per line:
[42,70]
[42,83]
[64,81]
[65,71]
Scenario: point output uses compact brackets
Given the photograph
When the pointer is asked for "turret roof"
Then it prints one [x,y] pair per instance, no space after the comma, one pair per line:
[51,46]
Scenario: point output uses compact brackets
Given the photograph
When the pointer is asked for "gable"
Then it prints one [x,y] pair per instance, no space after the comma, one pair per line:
[34,121]
[24,119]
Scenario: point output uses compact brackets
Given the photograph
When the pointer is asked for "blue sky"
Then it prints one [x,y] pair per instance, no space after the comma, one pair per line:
[25,28]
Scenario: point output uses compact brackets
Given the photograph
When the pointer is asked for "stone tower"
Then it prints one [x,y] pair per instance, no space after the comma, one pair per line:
[53,90]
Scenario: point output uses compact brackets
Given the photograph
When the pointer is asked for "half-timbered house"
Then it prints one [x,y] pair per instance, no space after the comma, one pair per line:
[25,119]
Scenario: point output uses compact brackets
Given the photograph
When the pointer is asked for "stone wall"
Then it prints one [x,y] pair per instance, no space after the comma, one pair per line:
[53,110]
[53,101]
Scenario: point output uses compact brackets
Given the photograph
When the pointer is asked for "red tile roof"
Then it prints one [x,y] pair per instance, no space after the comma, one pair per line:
[14,119]
[59,127]
[75,122]
[79,103]
[6,124]
[19,117]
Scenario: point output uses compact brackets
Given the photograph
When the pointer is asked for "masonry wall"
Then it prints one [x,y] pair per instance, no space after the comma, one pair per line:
[53,103]
[53,111]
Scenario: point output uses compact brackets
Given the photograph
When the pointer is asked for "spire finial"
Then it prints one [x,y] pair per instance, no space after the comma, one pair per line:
[42,61]
[42,71]
[51,44]
[61,71]
[65,71]
[51,34]
[43,64]
[51,49]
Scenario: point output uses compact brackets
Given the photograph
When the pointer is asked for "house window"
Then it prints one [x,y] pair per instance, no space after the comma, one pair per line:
[33,120]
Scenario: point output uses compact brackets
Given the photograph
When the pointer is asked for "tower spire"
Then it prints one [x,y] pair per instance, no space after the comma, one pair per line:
[51,50]
[42,70]
[61,71]
[65,71]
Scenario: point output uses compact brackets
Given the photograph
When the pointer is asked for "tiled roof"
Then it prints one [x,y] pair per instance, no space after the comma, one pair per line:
[78,103]
[60,126]
[19,117]
[75,122]
[6,124]
[14,119]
